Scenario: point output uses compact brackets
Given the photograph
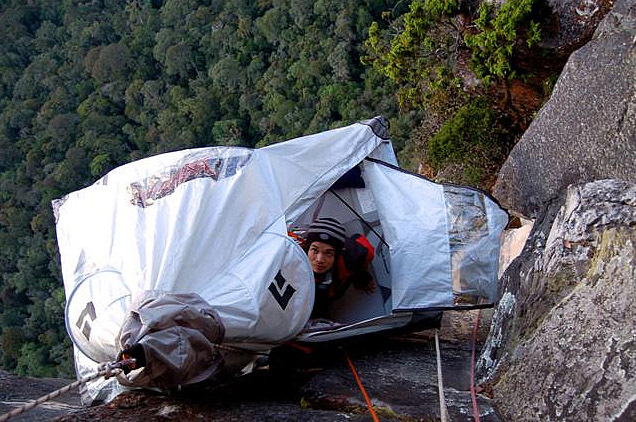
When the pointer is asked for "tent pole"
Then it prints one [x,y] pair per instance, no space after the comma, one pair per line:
[366,223]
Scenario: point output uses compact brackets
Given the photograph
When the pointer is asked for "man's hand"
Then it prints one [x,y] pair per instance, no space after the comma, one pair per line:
[369,288]
[135,352]
[364,281]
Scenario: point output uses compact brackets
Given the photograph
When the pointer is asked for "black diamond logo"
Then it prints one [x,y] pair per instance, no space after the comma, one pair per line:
[281,291]
[82,322]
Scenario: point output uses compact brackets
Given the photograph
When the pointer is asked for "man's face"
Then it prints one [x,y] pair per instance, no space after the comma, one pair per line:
[321,256]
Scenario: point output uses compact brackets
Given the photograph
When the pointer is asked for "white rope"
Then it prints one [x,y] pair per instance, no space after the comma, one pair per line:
[440,382]
[105,370]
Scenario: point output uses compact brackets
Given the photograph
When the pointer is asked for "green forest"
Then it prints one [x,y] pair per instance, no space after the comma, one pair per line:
[86,86]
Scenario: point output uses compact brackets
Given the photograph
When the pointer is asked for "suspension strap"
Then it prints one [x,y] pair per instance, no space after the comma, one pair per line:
[105,370]
[364,392]
[473,394]
[237,349]
[440,382]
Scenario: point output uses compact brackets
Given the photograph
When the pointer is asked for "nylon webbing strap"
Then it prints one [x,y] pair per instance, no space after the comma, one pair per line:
[473,393]
[440,382]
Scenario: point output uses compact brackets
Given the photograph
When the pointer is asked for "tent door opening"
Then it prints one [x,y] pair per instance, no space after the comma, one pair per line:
[355,209]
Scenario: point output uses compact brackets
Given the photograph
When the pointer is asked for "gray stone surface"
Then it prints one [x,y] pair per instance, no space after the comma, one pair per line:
[562,345]
[398,372]
[587,130]
[15,392]
[575,23]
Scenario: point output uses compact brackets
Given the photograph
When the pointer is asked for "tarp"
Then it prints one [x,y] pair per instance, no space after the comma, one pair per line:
[214,222]
[443,239]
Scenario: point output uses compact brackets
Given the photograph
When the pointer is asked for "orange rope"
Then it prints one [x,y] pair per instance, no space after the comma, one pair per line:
[364,392]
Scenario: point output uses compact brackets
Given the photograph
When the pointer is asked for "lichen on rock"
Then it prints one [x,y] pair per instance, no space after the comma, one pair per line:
[581,361]
[568,348]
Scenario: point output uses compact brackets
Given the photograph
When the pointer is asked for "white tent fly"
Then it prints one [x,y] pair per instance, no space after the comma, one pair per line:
[189,250]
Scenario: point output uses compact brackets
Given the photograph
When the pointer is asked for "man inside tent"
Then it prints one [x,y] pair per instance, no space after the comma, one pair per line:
[337,262]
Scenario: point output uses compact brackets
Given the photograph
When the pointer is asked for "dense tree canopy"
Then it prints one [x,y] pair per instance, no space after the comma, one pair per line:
[88,85]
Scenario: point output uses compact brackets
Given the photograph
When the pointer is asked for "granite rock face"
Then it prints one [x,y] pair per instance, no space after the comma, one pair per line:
[399,373]
[587,130]
[575,23]
[562,345]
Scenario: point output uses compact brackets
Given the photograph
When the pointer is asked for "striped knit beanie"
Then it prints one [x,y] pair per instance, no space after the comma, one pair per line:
[326,230]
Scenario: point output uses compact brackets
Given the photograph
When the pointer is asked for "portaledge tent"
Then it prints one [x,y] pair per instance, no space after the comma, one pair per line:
[186,250]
